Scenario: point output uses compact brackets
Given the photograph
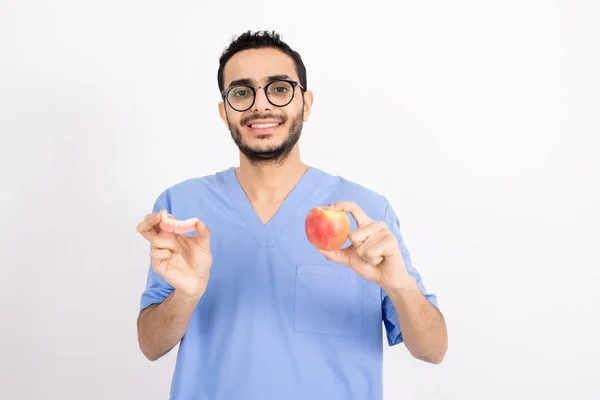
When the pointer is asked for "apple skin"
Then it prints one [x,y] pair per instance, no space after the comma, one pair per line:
[327,229]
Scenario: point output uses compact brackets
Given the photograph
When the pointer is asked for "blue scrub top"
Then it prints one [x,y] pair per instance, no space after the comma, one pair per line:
[278,320]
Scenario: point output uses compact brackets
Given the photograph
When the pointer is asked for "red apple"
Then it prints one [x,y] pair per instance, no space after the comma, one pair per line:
[327,229]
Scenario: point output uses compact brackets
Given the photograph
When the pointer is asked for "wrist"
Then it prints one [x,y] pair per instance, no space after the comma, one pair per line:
[406,284]
[187,296]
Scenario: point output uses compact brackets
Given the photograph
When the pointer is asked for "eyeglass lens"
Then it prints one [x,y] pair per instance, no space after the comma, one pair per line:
[279,93]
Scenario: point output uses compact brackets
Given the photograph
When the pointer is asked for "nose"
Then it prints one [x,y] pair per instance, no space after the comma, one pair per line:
[261,103]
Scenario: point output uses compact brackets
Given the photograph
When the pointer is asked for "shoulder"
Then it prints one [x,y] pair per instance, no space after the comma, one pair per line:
[375,204]
[199,188]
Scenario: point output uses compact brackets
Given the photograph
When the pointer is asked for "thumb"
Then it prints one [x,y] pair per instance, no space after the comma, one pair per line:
[341,256]
[202,235]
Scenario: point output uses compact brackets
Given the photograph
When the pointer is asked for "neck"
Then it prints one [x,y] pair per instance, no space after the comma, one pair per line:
[270,181]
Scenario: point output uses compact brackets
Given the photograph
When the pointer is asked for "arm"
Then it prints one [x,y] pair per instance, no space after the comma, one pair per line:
[378,253]
[177,280]
[423,326]
[161,326]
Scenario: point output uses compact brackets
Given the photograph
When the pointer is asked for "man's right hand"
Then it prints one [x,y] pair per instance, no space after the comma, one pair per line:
[183,261]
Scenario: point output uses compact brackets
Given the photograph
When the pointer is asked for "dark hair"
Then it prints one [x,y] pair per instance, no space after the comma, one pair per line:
[259,40]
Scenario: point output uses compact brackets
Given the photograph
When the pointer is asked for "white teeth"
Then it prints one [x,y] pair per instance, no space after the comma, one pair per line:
[262,126]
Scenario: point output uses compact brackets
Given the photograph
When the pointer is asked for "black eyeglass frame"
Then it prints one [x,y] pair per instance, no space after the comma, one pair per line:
[225,93]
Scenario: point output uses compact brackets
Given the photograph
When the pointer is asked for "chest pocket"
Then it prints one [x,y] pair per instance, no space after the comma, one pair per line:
[328,299]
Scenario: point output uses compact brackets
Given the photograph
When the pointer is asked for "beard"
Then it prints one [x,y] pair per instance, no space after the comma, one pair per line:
[274,154]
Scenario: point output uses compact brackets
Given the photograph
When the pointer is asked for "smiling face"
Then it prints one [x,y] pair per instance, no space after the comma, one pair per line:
[264,133]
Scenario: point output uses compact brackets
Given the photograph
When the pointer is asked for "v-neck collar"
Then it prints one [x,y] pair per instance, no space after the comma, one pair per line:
[266,235]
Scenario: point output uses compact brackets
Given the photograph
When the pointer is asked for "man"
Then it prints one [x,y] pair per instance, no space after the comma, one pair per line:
[258,311]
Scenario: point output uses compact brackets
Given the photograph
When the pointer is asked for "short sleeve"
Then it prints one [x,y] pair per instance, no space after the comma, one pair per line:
[390,319]
[157,289]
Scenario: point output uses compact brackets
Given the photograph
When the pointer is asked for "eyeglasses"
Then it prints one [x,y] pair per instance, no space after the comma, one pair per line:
[279,93]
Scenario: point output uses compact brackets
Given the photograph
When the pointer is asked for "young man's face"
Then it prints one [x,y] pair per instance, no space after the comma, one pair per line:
[252,129]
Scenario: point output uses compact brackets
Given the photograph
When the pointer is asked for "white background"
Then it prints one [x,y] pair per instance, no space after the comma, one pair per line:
[478,120]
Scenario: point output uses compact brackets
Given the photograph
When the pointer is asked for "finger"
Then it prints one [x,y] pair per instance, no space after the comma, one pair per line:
[202,235]
[347,257]
[160,267]
[361,234]
[159,242]
[341,256]
[368,242]
[384,247]
[357,213]
[157,255]
[146,228]
[371,251]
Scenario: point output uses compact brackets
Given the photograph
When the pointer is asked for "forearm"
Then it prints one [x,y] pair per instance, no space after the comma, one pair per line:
[423,326]
[161,326]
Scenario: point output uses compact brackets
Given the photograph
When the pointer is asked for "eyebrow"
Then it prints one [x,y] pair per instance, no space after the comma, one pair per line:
[250,82]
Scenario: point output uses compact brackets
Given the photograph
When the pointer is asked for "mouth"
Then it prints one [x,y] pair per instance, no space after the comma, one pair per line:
[259,126]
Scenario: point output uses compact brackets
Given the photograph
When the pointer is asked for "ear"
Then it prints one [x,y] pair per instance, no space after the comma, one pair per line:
[223,113]
[308,102]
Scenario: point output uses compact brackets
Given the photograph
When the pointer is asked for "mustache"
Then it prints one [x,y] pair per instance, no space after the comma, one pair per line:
[276,117]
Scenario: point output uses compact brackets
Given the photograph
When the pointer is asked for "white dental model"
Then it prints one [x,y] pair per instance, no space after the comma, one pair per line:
[169,224]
